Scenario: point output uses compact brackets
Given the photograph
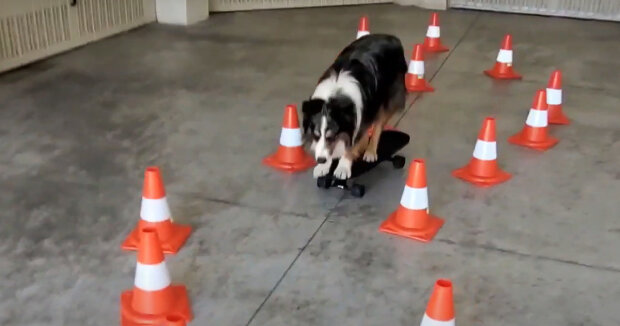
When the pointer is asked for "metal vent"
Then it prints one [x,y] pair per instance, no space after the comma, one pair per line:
[588,9]
[96,16]
[35,30]
[237,5]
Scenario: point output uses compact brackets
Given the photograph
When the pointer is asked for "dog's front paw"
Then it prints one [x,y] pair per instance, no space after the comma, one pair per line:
[343,170]
[370,156]
[321,170]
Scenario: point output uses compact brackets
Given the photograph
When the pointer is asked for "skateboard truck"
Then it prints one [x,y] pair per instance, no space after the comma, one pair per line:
[390,143]
[356,189]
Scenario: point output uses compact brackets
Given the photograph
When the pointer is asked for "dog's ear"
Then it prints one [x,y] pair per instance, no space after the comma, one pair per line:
[345,138]
[311,107]
[342,110]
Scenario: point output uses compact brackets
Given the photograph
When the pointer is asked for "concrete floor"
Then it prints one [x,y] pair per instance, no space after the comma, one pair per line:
[205,104]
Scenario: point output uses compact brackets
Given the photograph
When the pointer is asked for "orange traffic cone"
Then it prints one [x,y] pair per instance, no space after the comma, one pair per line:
[503,65]
[412,219]
[290,156]
[414,79]
[363,27]
[534,133]
[153,298]
[174,320]
[440,308]
[554,100]
[432,41]
[155,214]
[482,169]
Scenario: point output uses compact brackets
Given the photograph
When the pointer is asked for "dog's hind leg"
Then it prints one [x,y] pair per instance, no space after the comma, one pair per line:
[397,98]
[370,154]
[396,103]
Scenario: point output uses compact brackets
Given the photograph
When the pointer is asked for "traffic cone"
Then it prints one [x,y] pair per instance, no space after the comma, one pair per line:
[363,27]
[432,41]
[534,133]
[482,169]
[554,99]
[174,320]
[414,79]
[503,65]
[155,213]
[153,298]
[412,219]
[290,156]
[440,308]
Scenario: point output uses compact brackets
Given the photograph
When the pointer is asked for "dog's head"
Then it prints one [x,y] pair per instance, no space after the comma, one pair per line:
[328,126]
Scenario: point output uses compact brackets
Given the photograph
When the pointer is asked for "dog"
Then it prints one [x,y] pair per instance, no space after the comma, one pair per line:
[361,90]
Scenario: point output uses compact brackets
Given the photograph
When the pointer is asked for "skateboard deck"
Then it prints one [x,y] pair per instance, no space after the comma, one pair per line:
[390,143]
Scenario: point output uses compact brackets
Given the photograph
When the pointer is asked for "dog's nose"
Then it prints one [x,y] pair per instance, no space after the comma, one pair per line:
[321,160]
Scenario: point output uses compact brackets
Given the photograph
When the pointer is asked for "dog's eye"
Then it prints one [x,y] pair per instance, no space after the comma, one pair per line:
[330,138]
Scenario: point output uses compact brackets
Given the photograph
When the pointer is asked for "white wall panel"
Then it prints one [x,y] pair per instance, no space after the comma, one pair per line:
[34,29]
[238,5]
[589,9]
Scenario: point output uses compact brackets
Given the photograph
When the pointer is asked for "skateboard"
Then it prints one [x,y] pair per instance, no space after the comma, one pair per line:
[390,143]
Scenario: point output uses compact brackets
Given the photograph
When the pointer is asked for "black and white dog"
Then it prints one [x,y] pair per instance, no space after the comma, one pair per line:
[358,93]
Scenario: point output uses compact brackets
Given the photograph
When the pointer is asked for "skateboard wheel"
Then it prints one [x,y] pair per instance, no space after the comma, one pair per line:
[398,161]
[322,182]
[358,190]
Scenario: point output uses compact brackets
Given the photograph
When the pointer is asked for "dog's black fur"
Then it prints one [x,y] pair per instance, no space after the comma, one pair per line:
[378,66]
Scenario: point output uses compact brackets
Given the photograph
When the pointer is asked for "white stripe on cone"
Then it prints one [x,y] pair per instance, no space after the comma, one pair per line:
[433,31]
[362,33]
[416,67]
[290,137]
[537,118]
[428,321]
[554,96]
[485,150]
[414,198]
[154,210]
[152,277]
[504,56]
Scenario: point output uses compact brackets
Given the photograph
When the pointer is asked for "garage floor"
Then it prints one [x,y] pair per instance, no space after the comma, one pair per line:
[205,103]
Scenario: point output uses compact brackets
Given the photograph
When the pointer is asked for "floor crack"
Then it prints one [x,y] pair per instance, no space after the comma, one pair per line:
[418,95]
[301,251]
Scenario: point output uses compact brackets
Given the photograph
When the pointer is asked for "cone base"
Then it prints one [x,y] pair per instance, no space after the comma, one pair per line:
[435,49]
[421,89]
[172,245]
[543,145]
[557,117]
[420,85]
[511,74]
[464,173]
[423,235]
[304,163]
[181,308]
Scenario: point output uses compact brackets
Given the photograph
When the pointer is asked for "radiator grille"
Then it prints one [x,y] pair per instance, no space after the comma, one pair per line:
[35,30]
[96,16]
[235,5]
[589,9]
